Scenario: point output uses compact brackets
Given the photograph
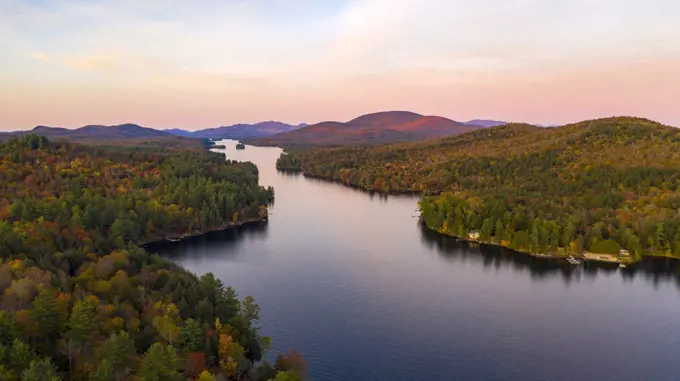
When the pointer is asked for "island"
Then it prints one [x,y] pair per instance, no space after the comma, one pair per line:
[240,145]
[288,163]
[603,190]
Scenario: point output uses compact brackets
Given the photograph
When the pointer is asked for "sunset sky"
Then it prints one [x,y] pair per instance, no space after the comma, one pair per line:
[199,64]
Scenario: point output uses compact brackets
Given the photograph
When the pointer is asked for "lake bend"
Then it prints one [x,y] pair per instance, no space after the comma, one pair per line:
[355,284]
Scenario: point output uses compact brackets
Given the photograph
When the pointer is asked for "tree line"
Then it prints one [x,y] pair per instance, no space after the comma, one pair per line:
[601,185]
[81,301]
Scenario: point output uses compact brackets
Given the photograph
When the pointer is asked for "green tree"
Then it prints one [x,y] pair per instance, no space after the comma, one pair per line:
[486,230]
[117,357]
[193,336]
[658,241]
[250,310]
[568,232]
[161,363]
[634,246]
[47,315]
[7,328]
[499,231]
[20,356]
[41,370]
[82,326]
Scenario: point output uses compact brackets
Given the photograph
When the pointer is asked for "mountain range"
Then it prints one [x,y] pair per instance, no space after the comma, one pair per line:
[94,132]
[119,135]
[239,131]
[381,127]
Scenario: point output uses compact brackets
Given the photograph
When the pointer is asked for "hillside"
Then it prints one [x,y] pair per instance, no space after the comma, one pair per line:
[94,132]
[614,180]
[239,131]
[82,301]
[377,128]
[179,132]
[113,136]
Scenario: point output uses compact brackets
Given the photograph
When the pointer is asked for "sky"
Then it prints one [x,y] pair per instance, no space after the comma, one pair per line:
[205,63]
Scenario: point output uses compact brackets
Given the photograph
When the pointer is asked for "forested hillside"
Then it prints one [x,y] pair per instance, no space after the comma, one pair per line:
[595,186]
[94,132]
[81,301]
[377,128]
[239,131]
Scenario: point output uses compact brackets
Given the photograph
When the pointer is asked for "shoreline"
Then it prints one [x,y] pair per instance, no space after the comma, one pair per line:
[585,257]
[355,186]
[199,233]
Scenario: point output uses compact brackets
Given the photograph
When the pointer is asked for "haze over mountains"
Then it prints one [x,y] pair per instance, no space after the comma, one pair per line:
[485,123]
[380,127]
[239,131]
[118,135]
[117,132]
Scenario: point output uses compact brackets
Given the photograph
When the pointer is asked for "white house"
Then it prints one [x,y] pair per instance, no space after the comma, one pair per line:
[473,235]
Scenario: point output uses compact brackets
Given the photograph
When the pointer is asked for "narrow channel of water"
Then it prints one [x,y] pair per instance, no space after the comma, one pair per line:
[353,282]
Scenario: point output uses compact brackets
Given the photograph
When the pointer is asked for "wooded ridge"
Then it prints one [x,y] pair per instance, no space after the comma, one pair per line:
[598,185]
[81,301]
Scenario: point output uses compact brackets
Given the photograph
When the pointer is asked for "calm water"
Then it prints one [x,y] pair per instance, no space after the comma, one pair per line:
[353,282]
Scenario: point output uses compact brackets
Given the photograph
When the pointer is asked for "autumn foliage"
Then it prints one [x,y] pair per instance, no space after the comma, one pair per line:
[530,188]
[79,300]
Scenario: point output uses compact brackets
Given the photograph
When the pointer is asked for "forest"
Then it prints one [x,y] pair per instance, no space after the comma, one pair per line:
[596,186]
[80,300]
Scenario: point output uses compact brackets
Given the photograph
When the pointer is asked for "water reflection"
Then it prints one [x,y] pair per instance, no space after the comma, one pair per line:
[353,282]
[226,244]
[370,194]
[229,244]
[653,270]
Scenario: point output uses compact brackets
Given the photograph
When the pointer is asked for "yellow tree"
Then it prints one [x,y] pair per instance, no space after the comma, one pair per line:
[230,355]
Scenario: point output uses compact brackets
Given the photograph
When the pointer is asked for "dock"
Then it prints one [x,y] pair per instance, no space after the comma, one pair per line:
[609,258]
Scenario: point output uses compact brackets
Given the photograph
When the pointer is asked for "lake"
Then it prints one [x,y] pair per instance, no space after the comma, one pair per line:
[355,284]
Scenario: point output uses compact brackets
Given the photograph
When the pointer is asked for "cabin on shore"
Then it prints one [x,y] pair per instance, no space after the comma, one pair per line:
[624,253]
[473,235]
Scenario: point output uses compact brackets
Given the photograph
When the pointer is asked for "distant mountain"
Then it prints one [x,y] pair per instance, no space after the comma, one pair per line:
[485,122]
[95,132]
[179,132]
[381,127]
[239,131]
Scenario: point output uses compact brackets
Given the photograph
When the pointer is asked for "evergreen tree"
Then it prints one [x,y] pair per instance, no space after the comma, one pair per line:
[161,363]
[193,336]
[40,370]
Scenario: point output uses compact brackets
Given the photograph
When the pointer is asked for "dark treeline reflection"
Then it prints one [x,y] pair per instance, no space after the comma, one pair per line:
[352,282]
[371,194]
[221,244]
[653,270]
